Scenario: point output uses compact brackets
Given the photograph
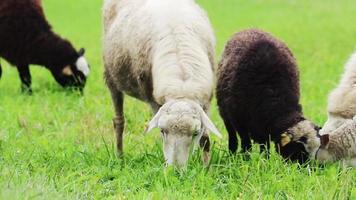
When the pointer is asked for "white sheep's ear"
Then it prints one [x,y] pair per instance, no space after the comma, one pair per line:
[154,122]
[207,123]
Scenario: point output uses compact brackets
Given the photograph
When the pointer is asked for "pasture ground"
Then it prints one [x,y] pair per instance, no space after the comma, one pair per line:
[57,144]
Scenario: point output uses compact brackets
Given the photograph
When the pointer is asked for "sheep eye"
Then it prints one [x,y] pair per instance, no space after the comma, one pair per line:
[303,140]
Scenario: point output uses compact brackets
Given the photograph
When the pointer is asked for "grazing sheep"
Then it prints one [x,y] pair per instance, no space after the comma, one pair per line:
[342,100]
[27,38]
[337,145]
[258,95]
[162,52]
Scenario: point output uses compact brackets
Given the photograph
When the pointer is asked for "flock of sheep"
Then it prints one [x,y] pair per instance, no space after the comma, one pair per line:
[162,52]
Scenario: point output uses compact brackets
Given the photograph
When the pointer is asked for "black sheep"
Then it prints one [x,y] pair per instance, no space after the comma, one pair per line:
[27,38]
[258,95]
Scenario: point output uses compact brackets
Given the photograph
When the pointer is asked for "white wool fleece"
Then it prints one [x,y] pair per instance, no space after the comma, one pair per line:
[342,100]
[170,39]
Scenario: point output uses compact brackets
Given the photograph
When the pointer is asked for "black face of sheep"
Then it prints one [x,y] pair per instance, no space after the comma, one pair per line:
[294,151]
[73,75]
[294,143]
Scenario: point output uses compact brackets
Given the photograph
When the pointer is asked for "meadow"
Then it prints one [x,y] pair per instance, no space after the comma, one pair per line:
[58,144]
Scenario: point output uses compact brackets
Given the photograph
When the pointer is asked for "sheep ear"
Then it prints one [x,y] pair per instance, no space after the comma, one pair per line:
[324,140]
[81,52]
[154,122]
[285,139]
[207,123]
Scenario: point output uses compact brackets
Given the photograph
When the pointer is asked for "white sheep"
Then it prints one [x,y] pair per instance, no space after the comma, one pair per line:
[162,52]
[342,100]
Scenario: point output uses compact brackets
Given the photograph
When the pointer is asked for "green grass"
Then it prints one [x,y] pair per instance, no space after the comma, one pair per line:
[60,145]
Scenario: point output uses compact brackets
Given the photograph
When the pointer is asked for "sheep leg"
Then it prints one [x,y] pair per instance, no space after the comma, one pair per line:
[231,131]
[119,120]
[25,77]
[246,144]
[232,136]
[205,145]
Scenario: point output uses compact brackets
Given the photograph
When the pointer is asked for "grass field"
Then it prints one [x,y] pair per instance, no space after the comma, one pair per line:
[57,144]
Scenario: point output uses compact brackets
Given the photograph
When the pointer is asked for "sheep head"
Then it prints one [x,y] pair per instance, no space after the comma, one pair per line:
[338,144]
[300,141]
[182,124]
[73,75]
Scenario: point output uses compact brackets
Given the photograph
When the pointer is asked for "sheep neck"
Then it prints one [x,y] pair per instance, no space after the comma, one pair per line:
[52,51]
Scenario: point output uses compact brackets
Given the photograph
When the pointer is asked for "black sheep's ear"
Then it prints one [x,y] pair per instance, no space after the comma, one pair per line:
[81,51]
[285,139]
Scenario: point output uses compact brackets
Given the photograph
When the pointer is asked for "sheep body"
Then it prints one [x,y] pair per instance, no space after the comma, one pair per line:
[146,45]
[158,52]
[27,38]
[342,100]
[258,93]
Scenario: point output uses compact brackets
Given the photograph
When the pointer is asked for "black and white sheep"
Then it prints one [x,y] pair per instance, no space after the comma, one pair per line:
[162,52]
[258,95]
[27,38]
